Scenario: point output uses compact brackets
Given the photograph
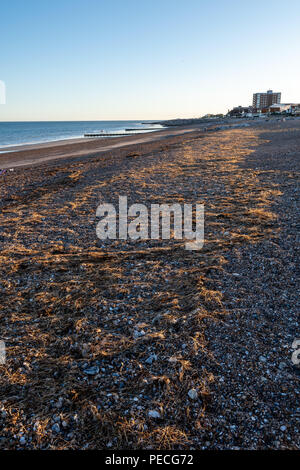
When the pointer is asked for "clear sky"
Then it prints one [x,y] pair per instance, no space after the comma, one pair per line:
[138,59]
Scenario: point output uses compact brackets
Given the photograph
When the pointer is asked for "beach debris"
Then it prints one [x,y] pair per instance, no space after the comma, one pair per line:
[132,155]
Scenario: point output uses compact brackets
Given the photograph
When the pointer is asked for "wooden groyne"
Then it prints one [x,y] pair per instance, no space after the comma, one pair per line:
[144,129]
[104,134]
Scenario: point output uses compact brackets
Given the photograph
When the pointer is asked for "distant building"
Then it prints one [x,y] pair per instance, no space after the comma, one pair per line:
[265,100]
[296,111]
[288,108]
[240,111]
[279,108]
[295,108]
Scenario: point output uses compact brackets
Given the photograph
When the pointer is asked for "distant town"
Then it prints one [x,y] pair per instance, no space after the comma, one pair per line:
[263,104]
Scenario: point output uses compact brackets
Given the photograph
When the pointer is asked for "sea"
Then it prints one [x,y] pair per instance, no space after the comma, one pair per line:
[20,133]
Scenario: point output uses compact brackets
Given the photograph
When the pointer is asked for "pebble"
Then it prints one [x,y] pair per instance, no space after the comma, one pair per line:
[59,404]
[172,360]
[154,414]
[138,334]
[193,394]
[92,370]
[56,428]
[151,358]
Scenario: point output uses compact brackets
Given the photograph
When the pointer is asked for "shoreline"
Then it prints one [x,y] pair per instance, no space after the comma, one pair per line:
[28,154]
[35,154]
[26,145]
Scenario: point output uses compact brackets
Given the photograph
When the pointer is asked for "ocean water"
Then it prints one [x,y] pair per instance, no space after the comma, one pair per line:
[18,133]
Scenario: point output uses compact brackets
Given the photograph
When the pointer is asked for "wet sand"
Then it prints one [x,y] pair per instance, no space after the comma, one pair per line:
[34,154]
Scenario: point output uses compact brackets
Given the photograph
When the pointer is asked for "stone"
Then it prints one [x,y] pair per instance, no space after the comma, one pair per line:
[138,334]
[154,414]
[92,370]
[193,394]
[56,428]
[151,358]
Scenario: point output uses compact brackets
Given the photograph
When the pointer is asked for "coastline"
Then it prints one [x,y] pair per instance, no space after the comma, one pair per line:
[35,154]
[38,153]
[20,133]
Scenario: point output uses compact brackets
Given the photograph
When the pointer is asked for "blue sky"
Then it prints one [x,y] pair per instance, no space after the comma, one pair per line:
[128,59]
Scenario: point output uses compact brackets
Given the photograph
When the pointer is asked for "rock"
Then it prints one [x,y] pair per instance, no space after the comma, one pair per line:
[138,334]
[151,358]
[282,428]
[59,404]
[154,414]
[173,360]
[262,359]
[91,370]
[193,394]
[22,440]
[56,428]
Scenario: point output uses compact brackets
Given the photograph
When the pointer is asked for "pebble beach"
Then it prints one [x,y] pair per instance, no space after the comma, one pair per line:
[142,344]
